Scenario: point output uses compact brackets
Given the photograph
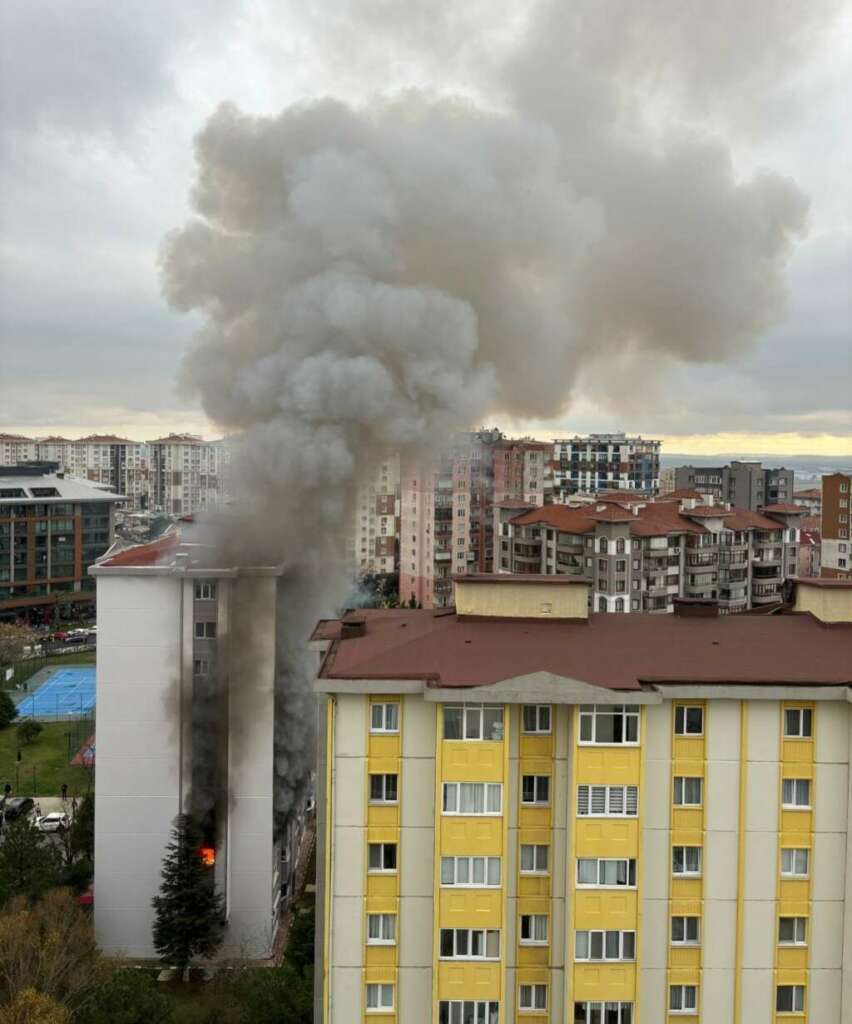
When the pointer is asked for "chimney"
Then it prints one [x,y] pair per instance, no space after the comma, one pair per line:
[350,629]
[696,608]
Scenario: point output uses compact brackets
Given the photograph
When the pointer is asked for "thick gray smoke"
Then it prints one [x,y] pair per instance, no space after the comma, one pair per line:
[376,276]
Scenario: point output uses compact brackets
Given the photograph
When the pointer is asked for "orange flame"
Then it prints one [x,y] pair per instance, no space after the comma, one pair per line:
[207,855]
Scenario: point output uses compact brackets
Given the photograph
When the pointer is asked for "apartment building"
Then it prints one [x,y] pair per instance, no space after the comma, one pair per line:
[668,481]
[810,546]
[810,500]
[639,556]
[528,813]
[599,462]
[836,550]
[187,655]
[448,508]
[15,448]
[117,462]
[52,528]
[187,474]
[743,484]
[373,542]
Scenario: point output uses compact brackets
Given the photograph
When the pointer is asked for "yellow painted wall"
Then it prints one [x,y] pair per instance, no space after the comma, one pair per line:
[830,604]
[522,600]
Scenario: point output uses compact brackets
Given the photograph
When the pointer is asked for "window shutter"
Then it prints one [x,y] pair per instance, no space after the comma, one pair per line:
[582,800]
[632,801]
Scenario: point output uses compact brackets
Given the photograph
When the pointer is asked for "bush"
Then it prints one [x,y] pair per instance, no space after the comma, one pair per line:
[28,730]
[275,996]
[126,997]
[8,711]
[29,862]
[31,1007]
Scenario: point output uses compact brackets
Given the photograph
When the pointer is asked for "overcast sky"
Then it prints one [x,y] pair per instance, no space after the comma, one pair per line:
[100,102]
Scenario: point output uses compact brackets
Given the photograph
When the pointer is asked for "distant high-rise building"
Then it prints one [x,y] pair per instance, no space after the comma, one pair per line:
[373,543]
[187,474]
[744,484]
[15,448]
[810,500]
[667,480]
[118,462]
[836,553]
[599,462]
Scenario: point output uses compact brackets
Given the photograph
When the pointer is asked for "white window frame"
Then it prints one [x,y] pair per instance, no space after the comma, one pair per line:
[800,931]
[488,788]
[630,871]
[383,799]
[681,711]
[205,630]
[686,941]
[683,999]
[795,788]
[535,847]
[380,989]
[383,870]
[537,801]
[687,873]
[532,997]
[599,1007]
[534,922]
[593,712]
[469,933]
[470,862]
[485,1011]
[539,711]
[200,666]
[591,940]
[797,995]
[205,590]
[613,796]
[473,723]
[385,712]
[794,855]
[802,715]
[386,925]
[679,787]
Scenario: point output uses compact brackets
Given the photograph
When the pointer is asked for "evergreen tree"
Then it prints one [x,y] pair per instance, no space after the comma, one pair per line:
[188,912]
[83,829]
[8,711]
[29,863]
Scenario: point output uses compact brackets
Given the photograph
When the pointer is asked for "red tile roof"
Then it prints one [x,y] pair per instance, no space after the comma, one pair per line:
[105,439]
[620,652]
[787,508]
[707,511]
[611,514]
[156,553]
[810,493]
[178,439]
[745,519]
[567,518]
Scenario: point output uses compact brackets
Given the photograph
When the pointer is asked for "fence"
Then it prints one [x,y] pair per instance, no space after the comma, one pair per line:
[45,763]
[16,675]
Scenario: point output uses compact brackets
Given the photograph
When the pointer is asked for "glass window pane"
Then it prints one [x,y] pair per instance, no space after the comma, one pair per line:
[493,870]
[606,730]
[472,723]
[452,723]
[612,945]
[807,722]
[586,728]
[461,942]
[390,787]
[492,724]
[494,797]
[479,871]
[447,870]
[463,870]
[377,718]
[492,944]
[450,797]
[375,856]
[542,857]
[791,722]
[582,945]
[392,717]
[628,945]
[596,946]
[544,718]
[587,871]
[527,857]
[376,787]
[677,929]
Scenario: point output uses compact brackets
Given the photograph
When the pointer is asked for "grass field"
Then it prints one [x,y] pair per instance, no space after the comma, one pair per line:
[44,762]
[25,669]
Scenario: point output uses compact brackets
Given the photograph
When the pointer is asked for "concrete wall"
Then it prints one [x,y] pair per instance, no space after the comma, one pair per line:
[514,600]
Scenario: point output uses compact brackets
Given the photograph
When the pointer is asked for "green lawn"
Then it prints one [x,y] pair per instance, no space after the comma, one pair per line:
[44,762]
[25,669]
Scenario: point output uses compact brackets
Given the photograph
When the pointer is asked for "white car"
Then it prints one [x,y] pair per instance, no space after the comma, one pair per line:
[56,821]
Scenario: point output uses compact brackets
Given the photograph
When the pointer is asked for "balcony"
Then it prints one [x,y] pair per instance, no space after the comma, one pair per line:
[767,573]
[706,558]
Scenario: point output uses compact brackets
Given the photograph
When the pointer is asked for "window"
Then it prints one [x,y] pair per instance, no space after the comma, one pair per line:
[200,667]
[621,565]
[383,789]
[689,720]
[535,789]
[379,998]
[532,997]
[602,565]
[794,862]
[536,718]
[205,591]
[468,1011]
[470,944]
[792,931]
[790,999]
[619,546]
[796,793]
[381,929]
[533,929]
[686,860]
[600,873]
[683,998]
[382,857]
[472,722]
[687,791]
[473,797]
[609,723]
[205,630]
[602,545]
[603,1013]
[534,859]
[685,931]
[470,872]
[607,801]
[384,717]
[798,723]
[614,945]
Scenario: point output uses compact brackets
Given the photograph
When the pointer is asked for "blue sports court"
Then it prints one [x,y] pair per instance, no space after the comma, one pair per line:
[68,692]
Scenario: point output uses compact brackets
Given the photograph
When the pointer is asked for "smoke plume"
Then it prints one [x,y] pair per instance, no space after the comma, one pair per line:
[373,277]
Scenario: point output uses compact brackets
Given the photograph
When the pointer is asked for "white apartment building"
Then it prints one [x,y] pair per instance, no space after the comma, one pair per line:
[187,474]
[600,462]
[15,448]
[373,541]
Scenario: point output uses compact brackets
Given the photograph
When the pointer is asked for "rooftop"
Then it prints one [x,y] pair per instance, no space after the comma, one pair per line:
[809,494]
[23,489]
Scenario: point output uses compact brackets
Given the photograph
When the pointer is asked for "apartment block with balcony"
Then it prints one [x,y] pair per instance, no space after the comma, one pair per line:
[187,474]
[16,448]
[527,812]
[640,556]
[373,542]
[743,484]
[117,462]
[836,551]
[601,462]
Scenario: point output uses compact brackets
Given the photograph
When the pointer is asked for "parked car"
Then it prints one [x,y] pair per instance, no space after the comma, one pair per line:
[18,807]
[56,821]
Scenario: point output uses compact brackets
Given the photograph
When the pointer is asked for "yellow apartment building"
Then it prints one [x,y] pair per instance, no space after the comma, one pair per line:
[531,814]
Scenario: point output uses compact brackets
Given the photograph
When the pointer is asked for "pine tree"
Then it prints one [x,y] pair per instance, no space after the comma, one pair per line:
[188,911]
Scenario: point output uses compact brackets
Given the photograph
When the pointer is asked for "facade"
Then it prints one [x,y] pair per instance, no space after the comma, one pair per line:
[117,462]
[187,474]
[744,484]
[186,722]
[529,815]
[667,480]
[810,546]
[640,556]
[836,542]
[373,543]
[15,448]
[448,509]
[52,528]
[810,500]
[599,462]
